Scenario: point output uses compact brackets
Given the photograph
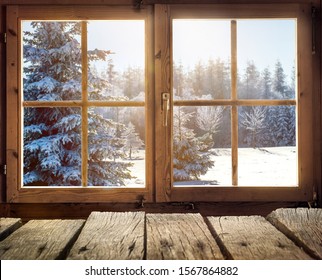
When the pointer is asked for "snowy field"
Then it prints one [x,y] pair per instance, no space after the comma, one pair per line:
[256,167]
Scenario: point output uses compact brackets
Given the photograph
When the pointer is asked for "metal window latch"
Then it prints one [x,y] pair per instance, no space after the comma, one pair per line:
[165,107]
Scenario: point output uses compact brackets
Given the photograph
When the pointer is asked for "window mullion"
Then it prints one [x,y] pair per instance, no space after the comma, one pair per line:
[234,113]
[84,106]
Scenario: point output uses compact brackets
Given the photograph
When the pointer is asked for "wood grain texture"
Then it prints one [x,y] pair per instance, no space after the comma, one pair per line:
[253,238]
[162,64]
[111,236]
[8,225]
[303,226]
[41,240]
[179,237]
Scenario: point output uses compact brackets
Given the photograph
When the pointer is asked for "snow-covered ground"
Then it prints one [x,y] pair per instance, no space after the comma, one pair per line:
[275,166]
[137,170]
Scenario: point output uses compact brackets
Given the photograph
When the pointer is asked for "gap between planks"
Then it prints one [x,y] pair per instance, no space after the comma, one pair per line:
[187,236]
[303,226]
[253,238]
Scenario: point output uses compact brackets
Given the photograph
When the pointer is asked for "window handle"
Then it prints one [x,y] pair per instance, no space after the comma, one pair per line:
[165,107]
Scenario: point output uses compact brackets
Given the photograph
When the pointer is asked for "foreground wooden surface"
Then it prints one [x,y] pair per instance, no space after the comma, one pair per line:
[283,234]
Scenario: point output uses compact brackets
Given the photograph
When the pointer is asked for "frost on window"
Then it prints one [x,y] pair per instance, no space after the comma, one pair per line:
[116,147]
[52,147]
[51,61]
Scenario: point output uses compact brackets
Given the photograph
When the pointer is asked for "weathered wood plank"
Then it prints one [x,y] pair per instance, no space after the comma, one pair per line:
[303,226]
[253,238]
[40,240]
[180,236]
[111,236]
[8,225]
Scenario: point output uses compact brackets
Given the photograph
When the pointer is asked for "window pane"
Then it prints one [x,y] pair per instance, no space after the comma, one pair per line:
[116,137]
[201,146]
[52,147]
[266,51]
[51,61]
[116,55]
[201,59]
[267,153]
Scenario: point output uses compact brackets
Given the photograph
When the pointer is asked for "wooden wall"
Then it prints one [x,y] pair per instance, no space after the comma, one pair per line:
[29,211]
[2,105]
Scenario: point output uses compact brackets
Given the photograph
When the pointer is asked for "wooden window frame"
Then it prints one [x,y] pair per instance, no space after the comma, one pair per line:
[158,81]
[164,14]
[15,191]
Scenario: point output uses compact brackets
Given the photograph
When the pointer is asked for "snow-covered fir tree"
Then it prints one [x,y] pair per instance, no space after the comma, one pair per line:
[52,136]
[191,156]
[281,120]
[266,84]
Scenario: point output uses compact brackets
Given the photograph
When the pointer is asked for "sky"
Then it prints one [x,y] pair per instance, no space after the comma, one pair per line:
[125,38]
[261,41]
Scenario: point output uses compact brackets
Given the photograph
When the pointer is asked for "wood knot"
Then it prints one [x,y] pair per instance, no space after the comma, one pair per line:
[200,245]
[158,55]
[280,245]
[12,32]
[82,249]
[131,247]
[165,243]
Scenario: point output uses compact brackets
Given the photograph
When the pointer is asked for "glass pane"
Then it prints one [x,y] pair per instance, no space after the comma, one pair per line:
[201,59]
[267,153]
[201,146]
[51,60]
[116,55]
[116,147]
[52,147]
[266,59]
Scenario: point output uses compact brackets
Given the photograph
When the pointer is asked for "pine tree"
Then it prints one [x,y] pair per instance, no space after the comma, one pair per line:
[191,156]
[282,118]
[133,142]
[251,79]
[52,136]
[266,84]
[279,81]
[197,78]
[219,75]
[133,82]
[178,81]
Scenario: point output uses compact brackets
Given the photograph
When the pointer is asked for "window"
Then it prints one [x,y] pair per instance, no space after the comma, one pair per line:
[251,140]
[236,127]
[84,97]
[112,104]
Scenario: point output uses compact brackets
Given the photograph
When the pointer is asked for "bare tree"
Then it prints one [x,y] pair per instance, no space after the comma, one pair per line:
[254,122]
[210,118]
